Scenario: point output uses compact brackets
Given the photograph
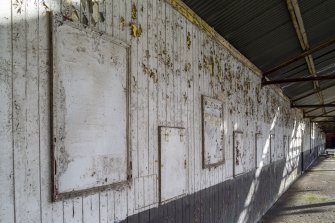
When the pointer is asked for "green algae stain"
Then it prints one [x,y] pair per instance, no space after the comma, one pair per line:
[315,198]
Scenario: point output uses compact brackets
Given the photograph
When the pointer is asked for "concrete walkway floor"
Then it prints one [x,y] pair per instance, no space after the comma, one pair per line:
[311,199]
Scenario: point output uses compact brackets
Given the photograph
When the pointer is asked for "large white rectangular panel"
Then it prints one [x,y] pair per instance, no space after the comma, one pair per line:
[173,163]
[212,132]
[90,109]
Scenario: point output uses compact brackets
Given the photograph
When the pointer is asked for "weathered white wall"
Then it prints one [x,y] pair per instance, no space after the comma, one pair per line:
[173,63]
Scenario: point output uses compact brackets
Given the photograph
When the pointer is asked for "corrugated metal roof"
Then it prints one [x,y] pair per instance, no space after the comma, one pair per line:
[247,25]
[262,30]
[319,19]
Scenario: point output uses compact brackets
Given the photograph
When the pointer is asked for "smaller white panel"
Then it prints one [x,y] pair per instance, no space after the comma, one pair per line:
[173,163]
[239,153]
[212,122]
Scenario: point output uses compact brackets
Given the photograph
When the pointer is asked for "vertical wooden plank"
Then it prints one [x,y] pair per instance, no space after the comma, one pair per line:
[197,127]
[186,203]
[103,207]
[208,90]
[189,85]
[102,15]
[133,219]
[143,217]
[185,69]
[110,206]
[133,105]
[169,29]
[138,190]
[109,17]
[120,205]
[26,113]
[90,208]
[203,82]
[179,210]
[161,26]
[162,77]
[124,32]
[219,92]
[73,211]
[176,72]
[220,202]
[152,100]
[203,206]
[171,212]
[155,214]
[142,90]
[6,114]
[116,18]
[50,211]
[196,107]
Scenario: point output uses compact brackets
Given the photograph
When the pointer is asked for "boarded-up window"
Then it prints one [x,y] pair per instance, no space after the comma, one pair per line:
[173,163]
[212,127]
[90,110]
[239,154]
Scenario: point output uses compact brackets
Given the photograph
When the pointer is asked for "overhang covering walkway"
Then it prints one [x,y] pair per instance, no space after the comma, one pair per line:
[310,199]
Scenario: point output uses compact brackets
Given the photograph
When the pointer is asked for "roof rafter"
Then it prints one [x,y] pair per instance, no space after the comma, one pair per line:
[319,108]
[299,27]
[314,92]
[291,80]
[300,56]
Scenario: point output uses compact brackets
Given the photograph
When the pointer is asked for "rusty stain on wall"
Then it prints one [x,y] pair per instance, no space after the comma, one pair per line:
[151,73]
[133,12]
[188,40]
[187,67]
[122,22]
[135,30]
[18,4]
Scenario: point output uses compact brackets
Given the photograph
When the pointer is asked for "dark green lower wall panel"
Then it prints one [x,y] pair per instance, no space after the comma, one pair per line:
[225,202]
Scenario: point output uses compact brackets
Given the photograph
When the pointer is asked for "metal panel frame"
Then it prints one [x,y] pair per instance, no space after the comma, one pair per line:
[55,19]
